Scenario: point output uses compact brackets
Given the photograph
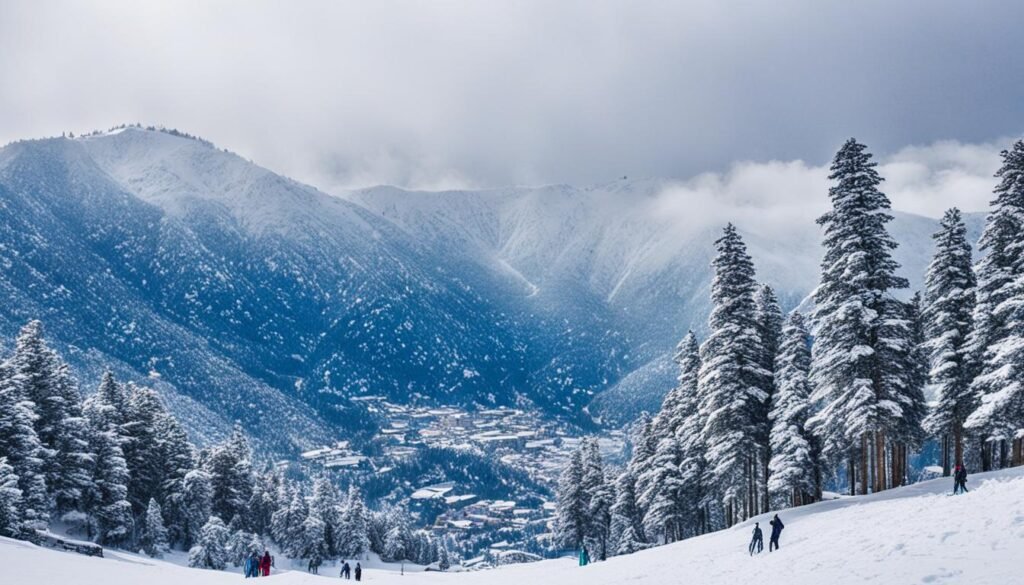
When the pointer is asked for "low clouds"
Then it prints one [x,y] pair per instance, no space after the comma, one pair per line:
[475,94]
[782,199]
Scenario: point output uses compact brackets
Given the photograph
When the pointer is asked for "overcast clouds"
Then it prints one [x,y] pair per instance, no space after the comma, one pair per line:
[445,94]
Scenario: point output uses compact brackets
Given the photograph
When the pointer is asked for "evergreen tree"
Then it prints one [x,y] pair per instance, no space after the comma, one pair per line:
[46,381]
[793,463]
[286,526]
[732,378]
[194,506]
[444,561]
[353,536]
[108,498]
[997,340]
[662,498]
[571,505]
[599,497]
[947,312]
[11,524]
[697,498]
[178,459]
[211,551]
[394,544]
[142,447]
[626,523]
[324,505]
[857,273]
[903,380]
[769,329]
[154,535]
[312,544]
[231,476]
[19,444]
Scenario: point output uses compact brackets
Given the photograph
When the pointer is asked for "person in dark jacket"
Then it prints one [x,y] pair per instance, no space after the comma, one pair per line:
[959,480]
[359,572]
[346,570]
[777,527]
[757,542]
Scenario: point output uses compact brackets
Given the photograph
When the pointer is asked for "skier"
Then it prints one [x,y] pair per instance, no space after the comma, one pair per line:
[265,563]
[758,540]
[777,527]
[248,567]
[584,556]
[359,572]
[959,479]
[346,570]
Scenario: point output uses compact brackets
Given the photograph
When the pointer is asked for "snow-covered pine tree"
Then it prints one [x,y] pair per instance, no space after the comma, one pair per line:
[312,544]
[178,458]
[353,536]
[662,498]
[793,466]
[325,506]
[154,535]
[697,498]
[903,380]
[73,458]
[231,476]
[47,382]
[286,526]
[571,504]
[19,444]
[997,340]
[194,506]
[394,544]
[947,312]
[108,499]
[857,272]
[769,328]
[444,561]
[599,495]
[143,447]
[211,551]
[626,524]
[11,524]
[731,378]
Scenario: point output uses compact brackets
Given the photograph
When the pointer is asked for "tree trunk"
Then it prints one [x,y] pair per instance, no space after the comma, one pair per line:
[958,443]
[1003,454]
[986,455]
[1018,452]
[765,496]
[944,445]
[880,454]
[863,464]
[852,473]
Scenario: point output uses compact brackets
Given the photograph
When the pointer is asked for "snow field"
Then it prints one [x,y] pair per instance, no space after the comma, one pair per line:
[916,534]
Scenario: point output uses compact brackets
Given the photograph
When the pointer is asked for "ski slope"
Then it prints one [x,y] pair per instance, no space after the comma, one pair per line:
[916,534]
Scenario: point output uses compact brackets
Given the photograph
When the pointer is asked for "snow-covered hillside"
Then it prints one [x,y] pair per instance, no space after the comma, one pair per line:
[916,534]
[239,292]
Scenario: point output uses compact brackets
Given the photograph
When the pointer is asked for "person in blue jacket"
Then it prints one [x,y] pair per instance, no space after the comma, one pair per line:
[584,557]
[777,527]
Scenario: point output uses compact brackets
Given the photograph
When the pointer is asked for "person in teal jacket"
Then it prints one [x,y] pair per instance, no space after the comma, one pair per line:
[584,557]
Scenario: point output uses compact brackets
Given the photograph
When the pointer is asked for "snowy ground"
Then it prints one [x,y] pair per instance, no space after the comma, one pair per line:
[916,534]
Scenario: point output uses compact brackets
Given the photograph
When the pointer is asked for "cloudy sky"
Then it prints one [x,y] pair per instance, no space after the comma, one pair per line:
[488,93]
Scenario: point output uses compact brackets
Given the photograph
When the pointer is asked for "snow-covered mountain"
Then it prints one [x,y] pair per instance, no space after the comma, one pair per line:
[914,534]
[244,295]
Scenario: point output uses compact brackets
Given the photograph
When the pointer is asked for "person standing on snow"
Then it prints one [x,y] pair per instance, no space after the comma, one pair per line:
[265,563]
[359,572]
[960,480]
[346,570]
[777,527]
[584,557]
[758,540]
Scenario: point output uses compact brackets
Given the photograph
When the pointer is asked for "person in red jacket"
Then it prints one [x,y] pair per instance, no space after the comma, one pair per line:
[265,563]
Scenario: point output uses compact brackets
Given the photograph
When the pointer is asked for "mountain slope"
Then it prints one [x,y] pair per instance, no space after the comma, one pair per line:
[915,534]
[246,296]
